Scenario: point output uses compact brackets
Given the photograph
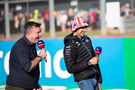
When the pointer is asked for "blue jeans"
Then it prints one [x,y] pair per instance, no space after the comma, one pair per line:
[88,84]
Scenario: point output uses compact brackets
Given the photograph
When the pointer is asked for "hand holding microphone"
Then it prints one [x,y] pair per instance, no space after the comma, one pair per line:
[95,60]
[42,53]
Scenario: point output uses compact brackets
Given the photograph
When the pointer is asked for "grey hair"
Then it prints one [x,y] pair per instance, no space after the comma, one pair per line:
[29,25]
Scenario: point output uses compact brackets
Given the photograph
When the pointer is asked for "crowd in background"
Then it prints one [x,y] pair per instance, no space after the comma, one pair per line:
[127,11]
[62,19]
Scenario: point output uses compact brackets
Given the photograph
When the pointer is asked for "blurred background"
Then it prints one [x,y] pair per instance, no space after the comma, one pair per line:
[105,17]
[111,26]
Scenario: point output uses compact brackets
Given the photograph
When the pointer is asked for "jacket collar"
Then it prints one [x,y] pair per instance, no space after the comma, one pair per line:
[27,41]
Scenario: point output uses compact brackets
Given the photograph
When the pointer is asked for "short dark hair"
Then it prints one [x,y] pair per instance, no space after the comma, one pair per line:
[29,24]
[80,28]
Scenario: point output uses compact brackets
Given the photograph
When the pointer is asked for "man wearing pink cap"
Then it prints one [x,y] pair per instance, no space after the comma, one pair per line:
[80,58]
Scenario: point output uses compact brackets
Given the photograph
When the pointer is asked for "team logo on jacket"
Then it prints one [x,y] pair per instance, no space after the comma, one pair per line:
[68,50]
[86,40]
[78,44]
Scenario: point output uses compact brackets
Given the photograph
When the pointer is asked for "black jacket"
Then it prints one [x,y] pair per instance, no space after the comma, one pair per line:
[20,62]
[77,53]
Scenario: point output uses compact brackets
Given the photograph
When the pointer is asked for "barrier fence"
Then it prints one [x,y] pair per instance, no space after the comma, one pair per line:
[116,63]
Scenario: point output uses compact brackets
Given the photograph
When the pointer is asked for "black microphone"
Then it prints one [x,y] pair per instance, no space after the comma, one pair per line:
[41,45]
[98,50]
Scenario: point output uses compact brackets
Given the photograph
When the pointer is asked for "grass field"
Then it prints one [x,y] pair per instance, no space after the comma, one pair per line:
[91,33]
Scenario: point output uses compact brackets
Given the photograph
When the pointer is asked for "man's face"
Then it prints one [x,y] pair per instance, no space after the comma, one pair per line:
[34,34]
[81,32]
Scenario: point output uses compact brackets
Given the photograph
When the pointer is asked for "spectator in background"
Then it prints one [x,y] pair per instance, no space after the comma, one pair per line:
[2,21]
[30,17]
[16,22]
[125,10]
[93,21]
[22,21]
[24,61]
[62,20]
[70,17]
[46,18]
[97,18]
[41,20]
[35,17]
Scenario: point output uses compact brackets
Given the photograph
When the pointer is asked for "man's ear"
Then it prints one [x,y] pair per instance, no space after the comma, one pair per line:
[28,33]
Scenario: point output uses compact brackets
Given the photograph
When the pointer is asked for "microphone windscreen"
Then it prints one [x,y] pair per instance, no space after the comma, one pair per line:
[41,44]
[98,50]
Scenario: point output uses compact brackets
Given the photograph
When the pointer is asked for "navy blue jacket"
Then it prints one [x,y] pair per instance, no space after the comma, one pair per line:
[19,64]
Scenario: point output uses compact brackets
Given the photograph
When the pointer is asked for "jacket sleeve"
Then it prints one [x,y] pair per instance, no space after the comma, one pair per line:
[70,60]
[99,78]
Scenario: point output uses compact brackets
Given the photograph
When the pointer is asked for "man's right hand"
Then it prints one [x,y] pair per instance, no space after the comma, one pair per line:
[94,60]
[35,62]
[43,53]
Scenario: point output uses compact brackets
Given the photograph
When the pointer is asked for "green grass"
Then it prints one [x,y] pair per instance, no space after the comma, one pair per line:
[59,34]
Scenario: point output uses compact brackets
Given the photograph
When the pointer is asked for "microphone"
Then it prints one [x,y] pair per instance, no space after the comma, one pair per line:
[41,45]
[98,51]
